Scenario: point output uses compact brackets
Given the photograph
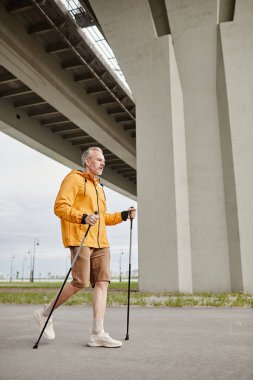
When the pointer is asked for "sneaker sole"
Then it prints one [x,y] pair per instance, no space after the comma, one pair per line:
[103,345]
[37,320]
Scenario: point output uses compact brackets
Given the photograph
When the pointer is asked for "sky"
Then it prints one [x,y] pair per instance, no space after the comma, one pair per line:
[29,185]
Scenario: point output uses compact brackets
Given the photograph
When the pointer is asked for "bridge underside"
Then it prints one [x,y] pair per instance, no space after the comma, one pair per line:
[59,96]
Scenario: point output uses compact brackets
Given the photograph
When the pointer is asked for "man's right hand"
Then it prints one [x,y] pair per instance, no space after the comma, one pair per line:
[91,219]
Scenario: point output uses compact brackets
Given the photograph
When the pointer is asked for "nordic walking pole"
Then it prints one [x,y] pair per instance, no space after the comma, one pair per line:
[58,295]
[129,277]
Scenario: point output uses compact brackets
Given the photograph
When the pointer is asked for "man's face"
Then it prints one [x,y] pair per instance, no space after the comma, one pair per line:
[95,163]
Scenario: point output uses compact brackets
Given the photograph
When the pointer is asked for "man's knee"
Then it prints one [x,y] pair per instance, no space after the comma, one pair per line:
[75,287]
[103,285]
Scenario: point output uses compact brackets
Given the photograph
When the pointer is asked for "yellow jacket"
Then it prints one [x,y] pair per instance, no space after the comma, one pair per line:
[82,194]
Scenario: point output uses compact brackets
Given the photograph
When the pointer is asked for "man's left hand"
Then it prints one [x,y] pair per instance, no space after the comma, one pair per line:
[131,212]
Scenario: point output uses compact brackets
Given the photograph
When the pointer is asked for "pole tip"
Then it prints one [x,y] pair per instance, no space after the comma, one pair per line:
[127,337]
[36,346]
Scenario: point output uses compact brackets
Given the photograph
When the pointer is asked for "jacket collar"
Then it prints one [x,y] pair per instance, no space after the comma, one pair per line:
[89,176]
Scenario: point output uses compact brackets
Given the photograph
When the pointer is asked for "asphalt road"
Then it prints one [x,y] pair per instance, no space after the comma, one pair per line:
[165,343]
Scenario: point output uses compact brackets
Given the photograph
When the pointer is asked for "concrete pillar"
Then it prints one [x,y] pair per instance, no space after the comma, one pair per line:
[228,174]
[194,34]
[237,49]
[181,181]
[145,61]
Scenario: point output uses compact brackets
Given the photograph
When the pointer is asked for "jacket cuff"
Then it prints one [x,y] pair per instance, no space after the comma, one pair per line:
[83,220]
[124,215]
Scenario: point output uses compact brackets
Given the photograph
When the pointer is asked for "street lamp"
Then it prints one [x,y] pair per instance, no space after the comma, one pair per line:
[12,258]
[121,253]
[35,242]
[31,258]
[23,267]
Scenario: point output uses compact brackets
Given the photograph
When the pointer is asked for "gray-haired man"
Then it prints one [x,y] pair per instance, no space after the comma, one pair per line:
[79,197]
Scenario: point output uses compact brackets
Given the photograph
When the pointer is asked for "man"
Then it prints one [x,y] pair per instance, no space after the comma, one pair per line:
[80,195]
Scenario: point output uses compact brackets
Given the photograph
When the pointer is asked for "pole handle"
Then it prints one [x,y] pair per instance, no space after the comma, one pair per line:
[130,211]
[131,220]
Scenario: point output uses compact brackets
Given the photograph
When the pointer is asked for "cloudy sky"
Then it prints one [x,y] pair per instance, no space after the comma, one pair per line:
[29,184]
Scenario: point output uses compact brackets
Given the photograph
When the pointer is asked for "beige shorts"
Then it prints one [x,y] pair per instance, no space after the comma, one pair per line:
[92,265]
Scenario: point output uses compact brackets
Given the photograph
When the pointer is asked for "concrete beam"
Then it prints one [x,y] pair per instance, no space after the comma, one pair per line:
[160,18]
[30,132]
[23,56]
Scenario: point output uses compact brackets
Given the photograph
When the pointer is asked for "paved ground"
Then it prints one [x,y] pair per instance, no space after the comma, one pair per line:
[165,343]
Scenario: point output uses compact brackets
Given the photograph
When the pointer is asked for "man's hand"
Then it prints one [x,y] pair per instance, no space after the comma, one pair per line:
[91,219]
[131,212]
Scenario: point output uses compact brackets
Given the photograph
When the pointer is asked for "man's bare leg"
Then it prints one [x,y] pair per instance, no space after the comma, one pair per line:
[68,291]
[98,337]
[99,305]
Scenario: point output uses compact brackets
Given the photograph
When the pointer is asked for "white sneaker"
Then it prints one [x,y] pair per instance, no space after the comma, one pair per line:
[103,340]
[41,320]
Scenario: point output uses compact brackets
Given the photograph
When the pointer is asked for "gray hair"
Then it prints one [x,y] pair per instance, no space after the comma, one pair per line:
[87,153]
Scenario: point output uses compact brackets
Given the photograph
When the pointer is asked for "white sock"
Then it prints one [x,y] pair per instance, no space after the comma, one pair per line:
[98,325]
[47,309]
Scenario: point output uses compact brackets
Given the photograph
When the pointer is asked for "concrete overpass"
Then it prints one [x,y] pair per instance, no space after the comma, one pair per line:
[59,96]
[189,67]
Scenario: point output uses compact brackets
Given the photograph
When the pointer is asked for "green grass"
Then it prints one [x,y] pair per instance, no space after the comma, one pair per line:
[24,285]
[40,293]
[56,285]
[26,297]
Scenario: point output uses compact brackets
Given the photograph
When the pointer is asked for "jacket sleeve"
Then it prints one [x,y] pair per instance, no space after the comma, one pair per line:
[63,207]
[111,219]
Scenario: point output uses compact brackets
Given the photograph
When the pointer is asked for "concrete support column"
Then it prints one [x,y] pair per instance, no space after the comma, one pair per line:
[158,262]
[228,174]
[181,181]
[236,40]
[145,61]
[194,34]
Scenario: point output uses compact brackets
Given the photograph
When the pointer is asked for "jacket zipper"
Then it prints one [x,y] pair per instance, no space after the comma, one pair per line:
[98,215]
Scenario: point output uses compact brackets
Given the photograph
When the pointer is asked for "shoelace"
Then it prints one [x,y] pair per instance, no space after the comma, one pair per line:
[50,322]
[106,335]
